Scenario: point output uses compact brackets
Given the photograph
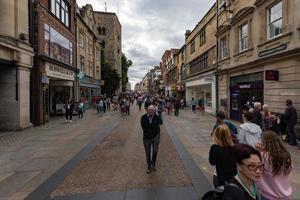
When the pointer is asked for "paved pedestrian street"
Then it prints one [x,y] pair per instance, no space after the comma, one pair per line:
[103,158]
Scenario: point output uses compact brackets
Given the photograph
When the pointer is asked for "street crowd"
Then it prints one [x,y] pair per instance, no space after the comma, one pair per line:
[251,161]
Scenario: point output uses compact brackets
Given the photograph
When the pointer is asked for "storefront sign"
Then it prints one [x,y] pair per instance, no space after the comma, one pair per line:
[271,75]
[271,51]
[202,81]
[56,71]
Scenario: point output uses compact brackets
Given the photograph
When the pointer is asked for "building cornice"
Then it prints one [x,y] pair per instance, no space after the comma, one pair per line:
[263,60]
[241,14]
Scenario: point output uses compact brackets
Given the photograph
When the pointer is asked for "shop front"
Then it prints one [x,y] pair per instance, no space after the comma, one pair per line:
[58,88]
[180,90]
[245,90]
[202,87]
[89,88]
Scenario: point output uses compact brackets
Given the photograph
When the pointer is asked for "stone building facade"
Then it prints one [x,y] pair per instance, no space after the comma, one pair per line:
[259,51]
[172,73]
[88,55]
[200,58]
[16,61]
[55,61]
[109,31]
[181,69]
[163,66]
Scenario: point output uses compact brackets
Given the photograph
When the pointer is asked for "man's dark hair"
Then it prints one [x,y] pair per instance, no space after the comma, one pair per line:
[244,151]
[289,102]
[249,116]
[221,115]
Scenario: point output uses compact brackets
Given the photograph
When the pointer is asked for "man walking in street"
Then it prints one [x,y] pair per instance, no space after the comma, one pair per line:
[150,123]
[194,104]
[290,116]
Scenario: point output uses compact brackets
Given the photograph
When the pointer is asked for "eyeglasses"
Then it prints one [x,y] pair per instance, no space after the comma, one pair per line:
[253,167]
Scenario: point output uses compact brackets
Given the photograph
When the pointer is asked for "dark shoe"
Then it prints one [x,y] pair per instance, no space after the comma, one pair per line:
[148,171]
[153,169]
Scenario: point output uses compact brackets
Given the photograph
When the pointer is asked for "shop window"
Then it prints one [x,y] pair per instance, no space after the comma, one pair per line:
[202,37]
[60,9]
[275,20]
[57,46]
[223,47]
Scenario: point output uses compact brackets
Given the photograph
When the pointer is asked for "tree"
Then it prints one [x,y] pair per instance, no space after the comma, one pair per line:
[111,79]
[125,66]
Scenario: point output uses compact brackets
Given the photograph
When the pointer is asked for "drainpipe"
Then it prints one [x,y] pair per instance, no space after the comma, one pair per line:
[217,56]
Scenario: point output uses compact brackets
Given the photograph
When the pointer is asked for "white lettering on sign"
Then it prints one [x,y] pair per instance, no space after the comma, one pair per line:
[245,86]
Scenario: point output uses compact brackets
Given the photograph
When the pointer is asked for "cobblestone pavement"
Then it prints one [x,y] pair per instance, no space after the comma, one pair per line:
[194,132]
[29,157]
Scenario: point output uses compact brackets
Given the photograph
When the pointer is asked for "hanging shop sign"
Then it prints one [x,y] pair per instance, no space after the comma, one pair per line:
[56,71]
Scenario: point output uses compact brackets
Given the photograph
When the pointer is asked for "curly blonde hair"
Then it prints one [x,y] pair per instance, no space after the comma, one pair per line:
[222,136]
[278,155]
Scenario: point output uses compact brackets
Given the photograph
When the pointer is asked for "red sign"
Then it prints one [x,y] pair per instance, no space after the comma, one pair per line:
[271,75]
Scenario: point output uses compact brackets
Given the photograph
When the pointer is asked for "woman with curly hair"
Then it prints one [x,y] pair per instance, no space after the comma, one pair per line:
[274,183]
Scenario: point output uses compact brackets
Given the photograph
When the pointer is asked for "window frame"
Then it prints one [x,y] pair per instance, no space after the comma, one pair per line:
[61,10]
[243,38]
[269,22]
[223,47]
[202,37]
[193,46]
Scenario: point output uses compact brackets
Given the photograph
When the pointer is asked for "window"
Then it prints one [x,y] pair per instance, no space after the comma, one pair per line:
[199,64]
[82,64]
[57,46]
[103,44]
[223,47]
[61,10]
[192,46]
[97,54]
[81,40]
[275,20]
[101,30]
[202,37]
[90,69]
[243,37]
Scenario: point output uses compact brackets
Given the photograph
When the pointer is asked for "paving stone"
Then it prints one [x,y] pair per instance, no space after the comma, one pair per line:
[146,194]
[15,182]
[187,193]
[109,196]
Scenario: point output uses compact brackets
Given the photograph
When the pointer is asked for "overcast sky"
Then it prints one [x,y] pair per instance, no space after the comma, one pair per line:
[150,27]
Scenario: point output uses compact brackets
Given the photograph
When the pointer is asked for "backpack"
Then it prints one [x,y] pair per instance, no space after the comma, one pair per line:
[218,193]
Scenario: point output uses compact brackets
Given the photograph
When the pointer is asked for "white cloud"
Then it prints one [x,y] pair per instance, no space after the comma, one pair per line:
[150,27]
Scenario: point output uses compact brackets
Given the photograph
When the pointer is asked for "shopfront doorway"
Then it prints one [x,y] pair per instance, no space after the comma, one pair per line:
[243,93]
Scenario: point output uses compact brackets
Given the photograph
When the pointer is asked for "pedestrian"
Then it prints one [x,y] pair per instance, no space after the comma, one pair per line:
[147,103]
[101,107]
[249,132]
[249,170]
[268,118]
[221,155]
[127,106]
[201,105]
[194,104]
[140,102]
[150,123]
[220,119]
[290,116]
[257,115]
[275,183]
[69,110]
[176,107]
[80,109]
